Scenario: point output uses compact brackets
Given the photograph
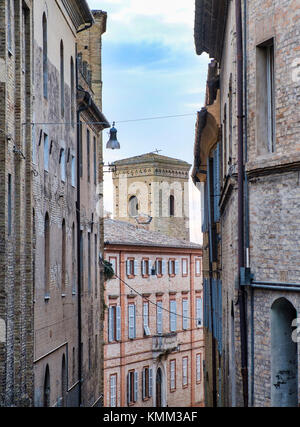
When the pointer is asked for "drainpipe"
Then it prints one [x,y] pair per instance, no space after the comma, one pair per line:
[241,239]
[79,272]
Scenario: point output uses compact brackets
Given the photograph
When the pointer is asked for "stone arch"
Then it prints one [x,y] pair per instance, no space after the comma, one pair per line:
[284,355]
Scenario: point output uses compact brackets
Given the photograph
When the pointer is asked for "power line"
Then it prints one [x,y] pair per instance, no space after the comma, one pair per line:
[147,298]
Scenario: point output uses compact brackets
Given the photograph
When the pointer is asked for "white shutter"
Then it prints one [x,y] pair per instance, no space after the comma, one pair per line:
[163,267]
[170,267]
[144,384]
[128,268]
[146,314]
[131,321]
[159,317]
[150,267]
[136,386]
[184,267]
[185,314]
[150,382]
[111,324]
[143,267]
[172,379]
[118,316]
[113,391]
[173,316]
[176,267]
[184,371]
[198,367]
[136,266]
[199,313]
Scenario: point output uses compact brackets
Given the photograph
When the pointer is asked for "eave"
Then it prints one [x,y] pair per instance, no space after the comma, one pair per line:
[210,23]
[79,13]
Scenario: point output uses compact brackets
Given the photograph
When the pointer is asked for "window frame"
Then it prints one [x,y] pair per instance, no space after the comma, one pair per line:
[159,261]
[187,267]
[198,260]
[145,268]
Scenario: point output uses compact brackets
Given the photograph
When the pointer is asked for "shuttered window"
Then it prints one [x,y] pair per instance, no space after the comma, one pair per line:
[132,387]
[199,312]
[114,323]
[146,318]
[173,316]
[185,309]
[172,375]
[159,317]
[131,321]
[147,383]
[198,368]
[113,391]
[184,371]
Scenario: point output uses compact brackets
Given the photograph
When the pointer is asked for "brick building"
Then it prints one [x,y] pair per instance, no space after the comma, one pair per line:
[153,321]
[247,168]
[50,289]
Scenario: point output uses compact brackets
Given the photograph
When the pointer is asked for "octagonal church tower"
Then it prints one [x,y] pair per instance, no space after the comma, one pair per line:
[152,191]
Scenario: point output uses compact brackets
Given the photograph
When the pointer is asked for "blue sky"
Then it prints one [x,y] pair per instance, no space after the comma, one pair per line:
[150,69]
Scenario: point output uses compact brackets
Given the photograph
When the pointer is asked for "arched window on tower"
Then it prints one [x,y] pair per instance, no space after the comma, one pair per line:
[46,402]
[133,206]
[172,205]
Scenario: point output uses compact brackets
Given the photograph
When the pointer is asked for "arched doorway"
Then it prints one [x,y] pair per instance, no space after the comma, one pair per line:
[284,363]
[63,382]
[47,388]
[159,388]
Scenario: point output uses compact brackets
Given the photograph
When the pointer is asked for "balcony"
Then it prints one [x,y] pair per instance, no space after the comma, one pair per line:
[164,343]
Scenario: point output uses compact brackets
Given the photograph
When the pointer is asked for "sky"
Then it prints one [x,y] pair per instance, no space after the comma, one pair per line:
[150,69]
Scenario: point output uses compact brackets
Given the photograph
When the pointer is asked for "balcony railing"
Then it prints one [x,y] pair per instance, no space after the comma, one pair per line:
[164,343]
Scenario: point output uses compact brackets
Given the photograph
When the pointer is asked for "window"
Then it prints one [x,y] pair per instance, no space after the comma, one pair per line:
[173,316]
[146,267]
[147,383]
[95,161]
[265,98]
[88,151]
[9,218]
[113,261]
[172,206]
[159,268]
[184,267]
[81,262]
[199,312]
[173,267]
[62,79]
[172,375]
[73,172]
[198,368]
[47,256]
[72,90]
[114,323]
[131,267]
[146,318]
[63,259]
[132,387]
[89,264]
[46,153]
[185,313]
[62,162]
[198,267]
[159,317]
[133,206]
[185,372]
[113,391]
[45,57]
[9,27]
[131,321]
